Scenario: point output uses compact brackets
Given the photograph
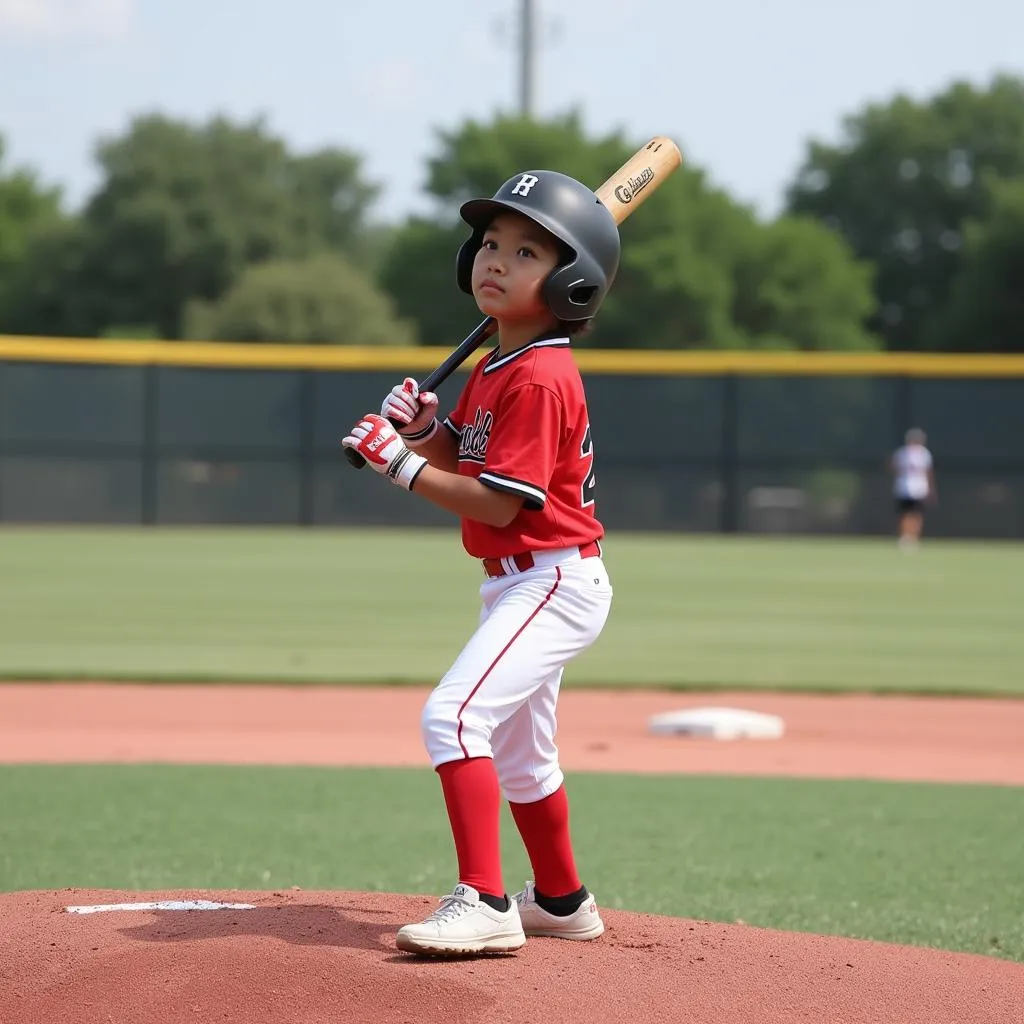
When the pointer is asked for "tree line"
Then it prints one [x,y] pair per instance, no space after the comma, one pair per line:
[905,234]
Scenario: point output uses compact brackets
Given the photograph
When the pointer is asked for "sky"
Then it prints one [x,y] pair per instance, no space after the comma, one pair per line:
[741,85]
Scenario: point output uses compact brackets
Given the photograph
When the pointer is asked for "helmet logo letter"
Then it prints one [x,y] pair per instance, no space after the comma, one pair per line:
[524,184]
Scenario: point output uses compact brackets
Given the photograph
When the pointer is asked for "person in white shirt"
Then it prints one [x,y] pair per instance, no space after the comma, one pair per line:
[913,485]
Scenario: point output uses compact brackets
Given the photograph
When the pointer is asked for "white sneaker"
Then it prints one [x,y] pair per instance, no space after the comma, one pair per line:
[584,925]
[463,924]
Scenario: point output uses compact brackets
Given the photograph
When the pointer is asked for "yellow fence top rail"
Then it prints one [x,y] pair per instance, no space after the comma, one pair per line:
[422,358]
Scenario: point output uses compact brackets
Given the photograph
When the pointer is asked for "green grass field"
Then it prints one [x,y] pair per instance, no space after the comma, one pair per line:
[921,864]
[290,605]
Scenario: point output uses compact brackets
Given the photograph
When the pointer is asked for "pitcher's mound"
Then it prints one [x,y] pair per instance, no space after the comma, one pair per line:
[329,957]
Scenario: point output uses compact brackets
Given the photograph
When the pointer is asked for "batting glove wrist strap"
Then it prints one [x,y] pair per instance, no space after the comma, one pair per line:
[405,467]
[420,437]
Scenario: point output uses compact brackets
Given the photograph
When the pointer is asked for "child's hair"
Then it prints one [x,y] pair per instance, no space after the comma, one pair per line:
[575,328]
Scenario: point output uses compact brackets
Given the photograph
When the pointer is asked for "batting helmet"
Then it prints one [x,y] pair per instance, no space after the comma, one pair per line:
[575,289]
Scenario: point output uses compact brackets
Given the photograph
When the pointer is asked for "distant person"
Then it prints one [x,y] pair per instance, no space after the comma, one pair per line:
[913,485]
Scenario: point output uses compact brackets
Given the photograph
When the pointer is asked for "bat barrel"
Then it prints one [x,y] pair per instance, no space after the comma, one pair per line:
[639,177]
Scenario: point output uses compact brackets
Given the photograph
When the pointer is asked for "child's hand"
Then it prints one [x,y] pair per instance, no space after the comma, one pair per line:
[415,413]
[379,444]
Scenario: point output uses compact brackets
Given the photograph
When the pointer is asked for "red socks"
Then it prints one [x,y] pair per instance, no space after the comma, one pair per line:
[473,799]
[544,826]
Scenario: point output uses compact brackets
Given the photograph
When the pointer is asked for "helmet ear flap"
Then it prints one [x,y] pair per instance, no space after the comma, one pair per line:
[575,290]
[464,261]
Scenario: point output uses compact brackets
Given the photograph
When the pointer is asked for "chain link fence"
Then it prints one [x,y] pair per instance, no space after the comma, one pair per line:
[711,452]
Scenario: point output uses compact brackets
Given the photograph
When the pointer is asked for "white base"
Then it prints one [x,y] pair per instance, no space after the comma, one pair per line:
[718,724]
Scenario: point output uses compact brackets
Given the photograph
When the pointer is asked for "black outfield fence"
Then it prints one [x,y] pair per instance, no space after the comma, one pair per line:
[171,433]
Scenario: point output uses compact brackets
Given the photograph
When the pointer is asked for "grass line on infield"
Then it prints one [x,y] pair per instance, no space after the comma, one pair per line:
[288,605]
[688,686]
[932,865]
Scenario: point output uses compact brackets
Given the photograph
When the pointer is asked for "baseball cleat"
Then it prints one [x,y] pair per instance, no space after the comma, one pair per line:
[461,925]
[583,925]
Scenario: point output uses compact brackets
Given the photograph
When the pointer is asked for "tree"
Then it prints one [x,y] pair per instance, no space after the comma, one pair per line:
[985,309]
[689,262]
[676,286]
[183,210]
[900,185]
[320,300]
[51,289]
[798,287]
[418,271]
[26,209]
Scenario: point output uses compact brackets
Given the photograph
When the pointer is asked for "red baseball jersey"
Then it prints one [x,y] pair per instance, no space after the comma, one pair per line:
[523,427]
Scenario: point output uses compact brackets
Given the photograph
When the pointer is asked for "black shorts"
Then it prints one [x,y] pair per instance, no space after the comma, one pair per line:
[909,504]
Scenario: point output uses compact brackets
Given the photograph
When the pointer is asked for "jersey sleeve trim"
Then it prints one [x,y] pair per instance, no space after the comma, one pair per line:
[457,431]
[534,497]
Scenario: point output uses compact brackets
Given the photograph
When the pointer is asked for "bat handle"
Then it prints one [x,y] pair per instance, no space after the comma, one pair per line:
[355,460]
[436,378]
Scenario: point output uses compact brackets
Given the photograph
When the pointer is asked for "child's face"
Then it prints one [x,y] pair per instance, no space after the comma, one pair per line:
[515,258]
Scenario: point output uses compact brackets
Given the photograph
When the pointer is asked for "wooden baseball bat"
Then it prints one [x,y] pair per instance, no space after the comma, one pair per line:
[622,193]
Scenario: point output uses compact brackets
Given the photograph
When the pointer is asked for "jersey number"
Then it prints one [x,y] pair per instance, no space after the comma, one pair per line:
[587,452]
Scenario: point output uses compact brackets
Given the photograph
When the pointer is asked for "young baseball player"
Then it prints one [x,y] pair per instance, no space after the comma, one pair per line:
[514,460]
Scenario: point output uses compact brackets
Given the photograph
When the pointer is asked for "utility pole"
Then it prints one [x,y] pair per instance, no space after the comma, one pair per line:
[527,57]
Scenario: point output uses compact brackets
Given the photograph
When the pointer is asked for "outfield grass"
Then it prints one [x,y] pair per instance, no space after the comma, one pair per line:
[393,606]
[921,864]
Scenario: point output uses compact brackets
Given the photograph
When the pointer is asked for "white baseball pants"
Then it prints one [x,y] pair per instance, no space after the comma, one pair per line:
[498,699]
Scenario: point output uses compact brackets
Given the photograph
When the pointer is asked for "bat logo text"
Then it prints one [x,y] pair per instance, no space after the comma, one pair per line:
[625,193]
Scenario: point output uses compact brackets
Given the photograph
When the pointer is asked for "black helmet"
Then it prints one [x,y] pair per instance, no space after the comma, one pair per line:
[575,289]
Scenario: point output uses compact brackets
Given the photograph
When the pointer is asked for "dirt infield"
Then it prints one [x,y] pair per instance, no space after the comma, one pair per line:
[327,958]
[948,740]
[305,958]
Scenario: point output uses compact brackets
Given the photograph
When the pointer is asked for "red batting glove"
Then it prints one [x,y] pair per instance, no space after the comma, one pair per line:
[379,444]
